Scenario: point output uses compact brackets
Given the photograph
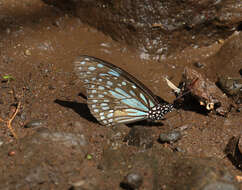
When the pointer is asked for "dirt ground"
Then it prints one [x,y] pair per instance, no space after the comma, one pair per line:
[38,44]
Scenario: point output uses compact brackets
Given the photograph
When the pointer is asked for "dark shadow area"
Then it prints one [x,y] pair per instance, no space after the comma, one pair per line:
[64,5]
[145,123]
[233,153]
[239,27]
[186,101]
[20,18]
[126,186]
[190,103]
[80,108]
[82,95]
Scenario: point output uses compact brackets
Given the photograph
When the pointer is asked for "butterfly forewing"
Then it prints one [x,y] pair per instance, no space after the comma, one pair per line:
[114,96]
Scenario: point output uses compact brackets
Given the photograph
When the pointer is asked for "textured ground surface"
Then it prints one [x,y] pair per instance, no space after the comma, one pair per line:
[37,46]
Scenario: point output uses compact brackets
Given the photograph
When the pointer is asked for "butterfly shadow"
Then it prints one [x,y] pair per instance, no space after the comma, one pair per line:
[80,108]
[145,123]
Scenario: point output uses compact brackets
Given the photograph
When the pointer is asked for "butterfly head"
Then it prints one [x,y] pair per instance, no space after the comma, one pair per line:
[157,112]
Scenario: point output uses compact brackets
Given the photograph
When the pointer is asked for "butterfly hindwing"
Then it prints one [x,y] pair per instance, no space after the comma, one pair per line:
[114,96]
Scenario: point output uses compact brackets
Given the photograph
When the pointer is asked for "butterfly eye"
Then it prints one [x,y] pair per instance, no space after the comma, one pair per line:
[115,96]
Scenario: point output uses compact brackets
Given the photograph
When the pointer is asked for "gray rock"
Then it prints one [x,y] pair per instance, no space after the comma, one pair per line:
[150,26]
[35,123]
[132,181]
[170,137]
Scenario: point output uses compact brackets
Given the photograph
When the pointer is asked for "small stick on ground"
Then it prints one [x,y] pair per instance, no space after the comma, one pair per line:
[9,122]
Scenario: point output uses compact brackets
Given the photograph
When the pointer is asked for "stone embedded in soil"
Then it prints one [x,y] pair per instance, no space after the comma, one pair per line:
[205,91]
[67,139]
[197,173]
[232,87]
[45,158]
[170,137]
[132,181]
[36,123]
[140,137]
[152,26]
[198,65]
[233,152]
[220,186]
[227,61]
[164,168]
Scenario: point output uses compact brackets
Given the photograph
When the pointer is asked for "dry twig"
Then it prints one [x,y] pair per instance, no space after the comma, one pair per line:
[9,121]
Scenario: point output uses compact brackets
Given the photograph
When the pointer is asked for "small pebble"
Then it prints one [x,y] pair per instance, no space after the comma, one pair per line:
[27,52]
[198,65]
[170,137]
[56,23]
[132,181]
[8,31]
[35,123]
[11,153]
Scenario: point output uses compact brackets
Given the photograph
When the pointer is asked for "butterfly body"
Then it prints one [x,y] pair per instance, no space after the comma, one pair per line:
[114,96]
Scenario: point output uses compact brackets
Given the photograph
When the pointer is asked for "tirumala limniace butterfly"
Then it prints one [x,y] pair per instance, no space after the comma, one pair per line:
[114,96]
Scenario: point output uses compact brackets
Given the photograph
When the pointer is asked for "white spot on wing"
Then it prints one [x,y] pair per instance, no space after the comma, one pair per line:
[92,68]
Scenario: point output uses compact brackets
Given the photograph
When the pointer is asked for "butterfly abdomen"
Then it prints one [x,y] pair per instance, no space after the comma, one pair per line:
[158,111]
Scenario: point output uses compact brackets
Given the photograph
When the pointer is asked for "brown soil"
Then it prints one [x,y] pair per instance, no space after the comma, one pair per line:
[38,44]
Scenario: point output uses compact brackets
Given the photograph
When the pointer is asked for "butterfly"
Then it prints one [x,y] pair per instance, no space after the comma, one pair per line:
[114,96]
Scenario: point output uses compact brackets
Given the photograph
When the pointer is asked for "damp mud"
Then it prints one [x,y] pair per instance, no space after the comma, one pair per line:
[50,140]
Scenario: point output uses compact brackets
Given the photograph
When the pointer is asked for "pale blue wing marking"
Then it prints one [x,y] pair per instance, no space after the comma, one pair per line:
[119,90]
[100,88]
[143,98]
[124,83]
[103,74]
[127,119]
[100,65]
[110,115]
[105,108]
[135,112]
[109,83]
[116,95]
[92,68]
[114,73]
[135,104]
[103,104]
[132,92]
[151,104]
